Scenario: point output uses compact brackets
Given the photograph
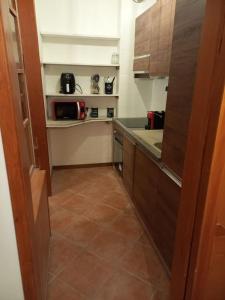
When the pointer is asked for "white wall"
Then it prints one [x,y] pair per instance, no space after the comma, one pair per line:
[137,96]
[10,276]
[79,16]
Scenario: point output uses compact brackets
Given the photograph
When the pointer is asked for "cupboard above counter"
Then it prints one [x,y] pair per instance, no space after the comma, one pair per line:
[153,40]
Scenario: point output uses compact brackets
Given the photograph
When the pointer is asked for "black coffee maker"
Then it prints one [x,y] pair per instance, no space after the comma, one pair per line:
[68,83]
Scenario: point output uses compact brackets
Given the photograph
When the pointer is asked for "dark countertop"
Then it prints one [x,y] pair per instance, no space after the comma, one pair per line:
[146,140]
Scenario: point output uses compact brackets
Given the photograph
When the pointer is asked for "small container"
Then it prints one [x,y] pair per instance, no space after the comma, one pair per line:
[110,112]
[115,59]
[108,88]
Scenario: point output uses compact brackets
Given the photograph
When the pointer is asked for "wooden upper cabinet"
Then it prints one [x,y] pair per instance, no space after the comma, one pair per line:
[166,24]
[153,39]
[154,43]
[142,42]
[184,58]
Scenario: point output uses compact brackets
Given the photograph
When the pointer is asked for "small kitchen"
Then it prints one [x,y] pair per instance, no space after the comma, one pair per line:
[120,95]
[109,94]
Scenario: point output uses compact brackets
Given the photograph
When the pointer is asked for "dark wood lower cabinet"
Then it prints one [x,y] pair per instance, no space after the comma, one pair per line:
[156,197]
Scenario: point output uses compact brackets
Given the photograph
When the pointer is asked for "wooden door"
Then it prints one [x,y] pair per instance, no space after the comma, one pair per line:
[16,129]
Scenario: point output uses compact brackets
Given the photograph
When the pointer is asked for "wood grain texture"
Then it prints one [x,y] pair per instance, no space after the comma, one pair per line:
[156,198]
[42,227]
[186,42]
[141,64]
[34,83]
[207,100]
[16,153]
[142,34]
[167,14]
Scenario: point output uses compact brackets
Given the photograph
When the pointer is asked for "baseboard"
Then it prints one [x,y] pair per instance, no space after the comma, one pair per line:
[82,166]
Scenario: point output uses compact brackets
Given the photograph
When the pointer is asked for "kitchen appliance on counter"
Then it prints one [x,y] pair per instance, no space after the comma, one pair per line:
[68,84]
[71,110]
[155,120]
[118,151]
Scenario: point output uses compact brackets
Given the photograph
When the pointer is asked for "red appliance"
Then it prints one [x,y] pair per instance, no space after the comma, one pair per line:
[68,110]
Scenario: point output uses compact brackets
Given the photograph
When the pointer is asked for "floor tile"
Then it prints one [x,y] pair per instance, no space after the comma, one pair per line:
[109,245]
[103,214]
[62,251]
[82,232]
[98,248]
[77,203]
[123,286]
[143,262]
[117,200]
[60,291]
[87,274]
[61,220]
[128,226]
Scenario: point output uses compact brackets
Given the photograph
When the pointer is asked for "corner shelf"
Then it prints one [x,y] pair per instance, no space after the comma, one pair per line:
[80,64]
[80,95]
[68,124]
[79,36]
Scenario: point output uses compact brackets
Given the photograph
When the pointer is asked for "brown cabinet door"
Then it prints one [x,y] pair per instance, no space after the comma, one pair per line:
[164,231]
[154,41]
[128,164]
[167,12]
[186,43]
[142,42]
[156,198]
[146,176]
[142,34]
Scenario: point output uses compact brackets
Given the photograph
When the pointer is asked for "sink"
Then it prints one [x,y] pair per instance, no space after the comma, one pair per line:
[158,145]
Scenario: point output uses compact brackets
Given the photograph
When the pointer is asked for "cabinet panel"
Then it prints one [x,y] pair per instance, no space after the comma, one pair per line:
[146,176]
[166,217]
[186,42]
[142,34]
[156,197]
[128,164]
[167,13]
[154,41]
[141,64]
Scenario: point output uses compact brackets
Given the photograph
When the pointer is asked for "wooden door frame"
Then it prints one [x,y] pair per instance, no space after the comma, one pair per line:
[16,153]
[207,101]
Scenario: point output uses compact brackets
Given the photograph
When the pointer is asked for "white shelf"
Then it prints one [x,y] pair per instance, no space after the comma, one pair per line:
[68,124]
[80,95]
[80,64]
[78,36]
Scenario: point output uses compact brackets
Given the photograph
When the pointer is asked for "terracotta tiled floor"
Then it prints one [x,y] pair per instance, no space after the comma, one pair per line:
[98,248]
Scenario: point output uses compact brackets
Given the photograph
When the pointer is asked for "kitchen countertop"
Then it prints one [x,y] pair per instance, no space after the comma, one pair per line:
[150,141]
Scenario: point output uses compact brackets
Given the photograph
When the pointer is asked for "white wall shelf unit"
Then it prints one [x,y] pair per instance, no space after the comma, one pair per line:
[80,95]
[68,124]
[80,64]
[78,36]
